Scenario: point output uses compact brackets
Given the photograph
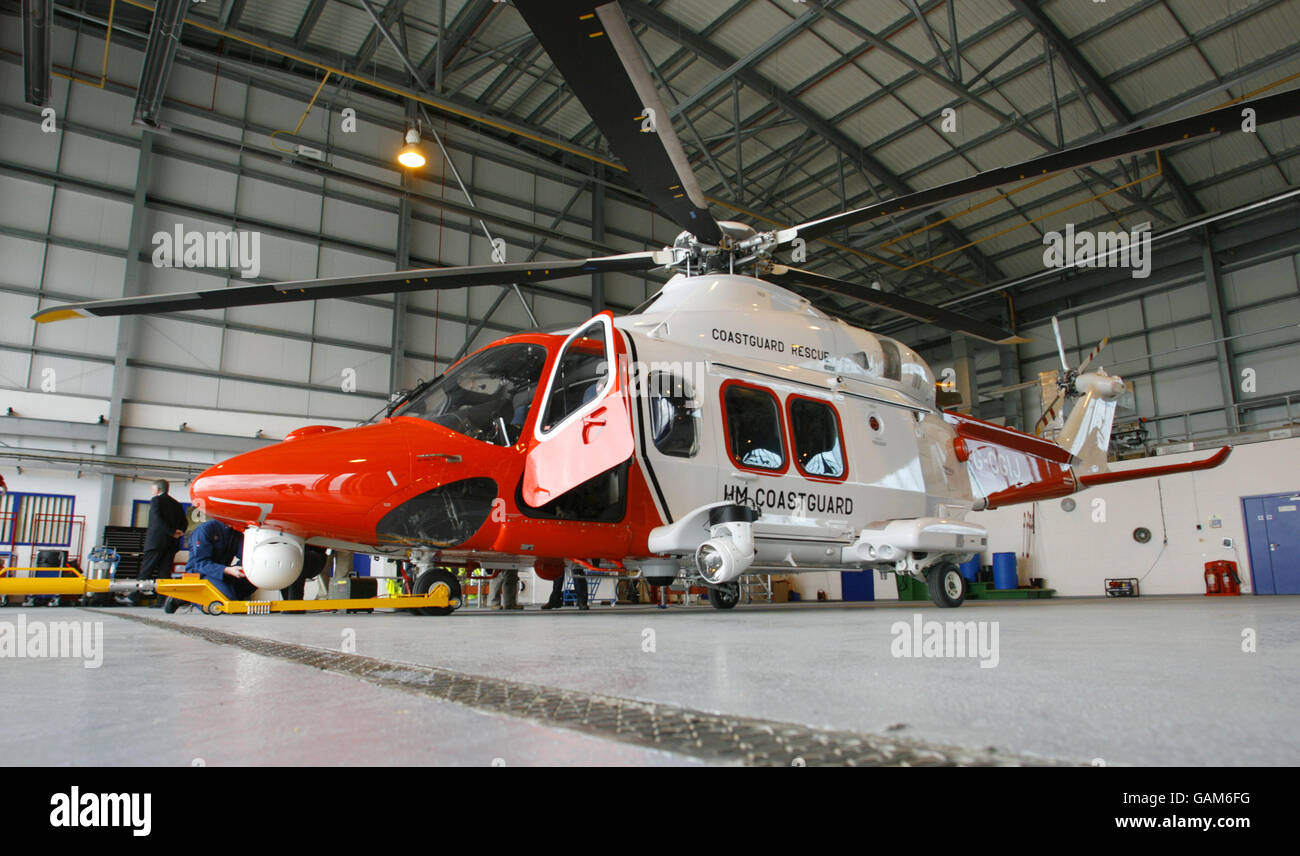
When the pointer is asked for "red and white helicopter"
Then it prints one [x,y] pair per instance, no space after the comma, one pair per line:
[727,427]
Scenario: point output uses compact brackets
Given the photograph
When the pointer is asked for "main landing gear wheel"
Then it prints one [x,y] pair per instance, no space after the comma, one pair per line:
[724,596]
[947,585]
[429,582]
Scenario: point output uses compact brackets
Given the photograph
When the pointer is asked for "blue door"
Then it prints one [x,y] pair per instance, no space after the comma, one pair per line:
[1273,538]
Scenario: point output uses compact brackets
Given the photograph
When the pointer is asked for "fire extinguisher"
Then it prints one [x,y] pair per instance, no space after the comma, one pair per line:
[1231,582]
[1211,579]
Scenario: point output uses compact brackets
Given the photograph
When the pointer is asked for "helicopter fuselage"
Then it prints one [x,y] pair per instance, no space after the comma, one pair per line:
[726,407]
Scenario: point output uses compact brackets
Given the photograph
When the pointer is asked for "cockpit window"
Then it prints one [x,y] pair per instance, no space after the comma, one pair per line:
[580,377]
[487,397]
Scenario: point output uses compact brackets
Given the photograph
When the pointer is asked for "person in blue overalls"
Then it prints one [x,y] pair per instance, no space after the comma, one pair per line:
[214,555]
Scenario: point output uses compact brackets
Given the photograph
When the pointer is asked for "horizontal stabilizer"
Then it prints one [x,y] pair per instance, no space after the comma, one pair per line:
[1113,476]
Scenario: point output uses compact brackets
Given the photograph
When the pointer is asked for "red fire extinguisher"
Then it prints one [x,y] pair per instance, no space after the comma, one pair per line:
[1221,579]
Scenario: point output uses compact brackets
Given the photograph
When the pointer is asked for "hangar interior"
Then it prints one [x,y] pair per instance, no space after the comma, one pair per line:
[280,122]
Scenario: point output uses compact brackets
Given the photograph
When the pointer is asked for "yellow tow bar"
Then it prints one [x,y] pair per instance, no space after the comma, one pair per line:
[192,588]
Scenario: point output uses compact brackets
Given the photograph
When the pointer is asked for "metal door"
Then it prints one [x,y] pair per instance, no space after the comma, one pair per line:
[1273,538]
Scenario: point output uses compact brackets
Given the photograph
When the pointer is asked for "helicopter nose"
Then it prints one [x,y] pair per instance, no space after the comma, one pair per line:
[340,472]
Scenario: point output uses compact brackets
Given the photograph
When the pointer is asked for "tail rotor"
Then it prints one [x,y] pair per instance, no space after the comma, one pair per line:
[1066,378]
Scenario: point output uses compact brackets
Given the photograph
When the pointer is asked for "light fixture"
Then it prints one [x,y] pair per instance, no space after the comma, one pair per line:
[410,155]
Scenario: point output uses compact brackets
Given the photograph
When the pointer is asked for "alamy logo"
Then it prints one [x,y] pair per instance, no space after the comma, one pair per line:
[75,809]
[949,639]
[178,248]
[23,639]
[1100,249]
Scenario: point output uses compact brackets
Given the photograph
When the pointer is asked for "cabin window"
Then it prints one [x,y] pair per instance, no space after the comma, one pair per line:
[485,397]
[818,442]
[674,414]
[582,375]
[754,428]
[893,368]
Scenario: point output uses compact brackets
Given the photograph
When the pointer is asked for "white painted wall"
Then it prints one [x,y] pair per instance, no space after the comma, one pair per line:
[1074,554]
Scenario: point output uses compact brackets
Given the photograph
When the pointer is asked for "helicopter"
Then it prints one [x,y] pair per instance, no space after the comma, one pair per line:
[726,427]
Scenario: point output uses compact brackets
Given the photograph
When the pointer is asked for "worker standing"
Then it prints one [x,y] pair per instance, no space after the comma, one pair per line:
[162,538]
[503,591]
[579,577]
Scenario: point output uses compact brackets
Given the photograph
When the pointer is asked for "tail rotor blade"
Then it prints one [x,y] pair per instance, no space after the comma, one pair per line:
[1060,347]
[1049,413]
[1093,353]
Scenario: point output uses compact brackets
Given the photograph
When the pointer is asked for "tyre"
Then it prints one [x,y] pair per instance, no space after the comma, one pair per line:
[215,608]
[725,596]
[170,605]
[314,561]
[429,581]
[947,585]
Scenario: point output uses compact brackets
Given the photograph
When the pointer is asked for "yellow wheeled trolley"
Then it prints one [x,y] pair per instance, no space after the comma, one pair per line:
[192,588]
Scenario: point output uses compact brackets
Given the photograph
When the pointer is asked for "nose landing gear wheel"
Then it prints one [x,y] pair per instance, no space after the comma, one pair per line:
[724,596]
[429,581]
[947,585]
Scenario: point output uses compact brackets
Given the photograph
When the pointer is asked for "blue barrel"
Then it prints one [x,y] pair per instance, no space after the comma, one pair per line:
[1004,571]
[971,567]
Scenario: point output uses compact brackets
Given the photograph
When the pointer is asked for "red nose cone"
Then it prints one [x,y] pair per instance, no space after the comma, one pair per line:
[315,483]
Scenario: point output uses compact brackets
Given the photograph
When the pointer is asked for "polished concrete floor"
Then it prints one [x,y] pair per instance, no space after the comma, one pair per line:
[1150,681]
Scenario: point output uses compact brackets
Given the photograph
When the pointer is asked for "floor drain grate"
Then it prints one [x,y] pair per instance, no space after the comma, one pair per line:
[710,736]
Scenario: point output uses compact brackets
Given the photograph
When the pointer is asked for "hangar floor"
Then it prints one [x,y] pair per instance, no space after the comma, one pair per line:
[1158,680]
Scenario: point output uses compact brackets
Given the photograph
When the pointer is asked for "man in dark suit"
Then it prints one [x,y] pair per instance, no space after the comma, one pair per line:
[166,526]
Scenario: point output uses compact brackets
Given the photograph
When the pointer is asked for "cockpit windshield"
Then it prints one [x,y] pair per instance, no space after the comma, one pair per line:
[487,397]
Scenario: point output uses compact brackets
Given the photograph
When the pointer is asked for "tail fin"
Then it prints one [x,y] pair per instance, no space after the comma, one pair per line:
[1086,434]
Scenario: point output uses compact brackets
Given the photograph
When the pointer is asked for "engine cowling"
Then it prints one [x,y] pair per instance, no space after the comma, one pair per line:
[272,559]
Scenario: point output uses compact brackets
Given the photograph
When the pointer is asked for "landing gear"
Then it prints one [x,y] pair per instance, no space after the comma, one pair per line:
[725,596]
[947,585]
[429,581]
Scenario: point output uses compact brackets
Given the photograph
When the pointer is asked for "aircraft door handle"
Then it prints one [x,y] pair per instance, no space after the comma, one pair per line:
[743,476]
[449,458]
[592,420]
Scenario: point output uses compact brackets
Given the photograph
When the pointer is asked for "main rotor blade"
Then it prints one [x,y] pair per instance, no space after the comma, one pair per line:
[389,282]
[596,53]
[944,318]
[1271,108]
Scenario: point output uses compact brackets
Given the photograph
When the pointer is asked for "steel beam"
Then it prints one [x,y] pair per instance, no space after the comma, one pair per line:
[1098,87]
[1218,324]
[308,22]
[383,20]
[467,21]
[754,57]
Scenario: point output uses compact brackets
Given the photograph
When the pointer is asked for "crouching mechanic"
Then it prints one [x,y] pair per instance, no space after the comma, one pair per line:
[214,555]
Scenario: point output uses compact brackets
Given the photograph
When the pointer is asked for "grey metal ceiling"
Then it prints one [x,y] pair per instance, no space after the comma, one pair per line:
[792,110]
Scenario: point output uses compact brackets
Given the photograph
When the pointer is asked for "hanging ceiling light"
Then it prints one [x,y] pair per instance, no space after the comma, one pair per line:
[410,155]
